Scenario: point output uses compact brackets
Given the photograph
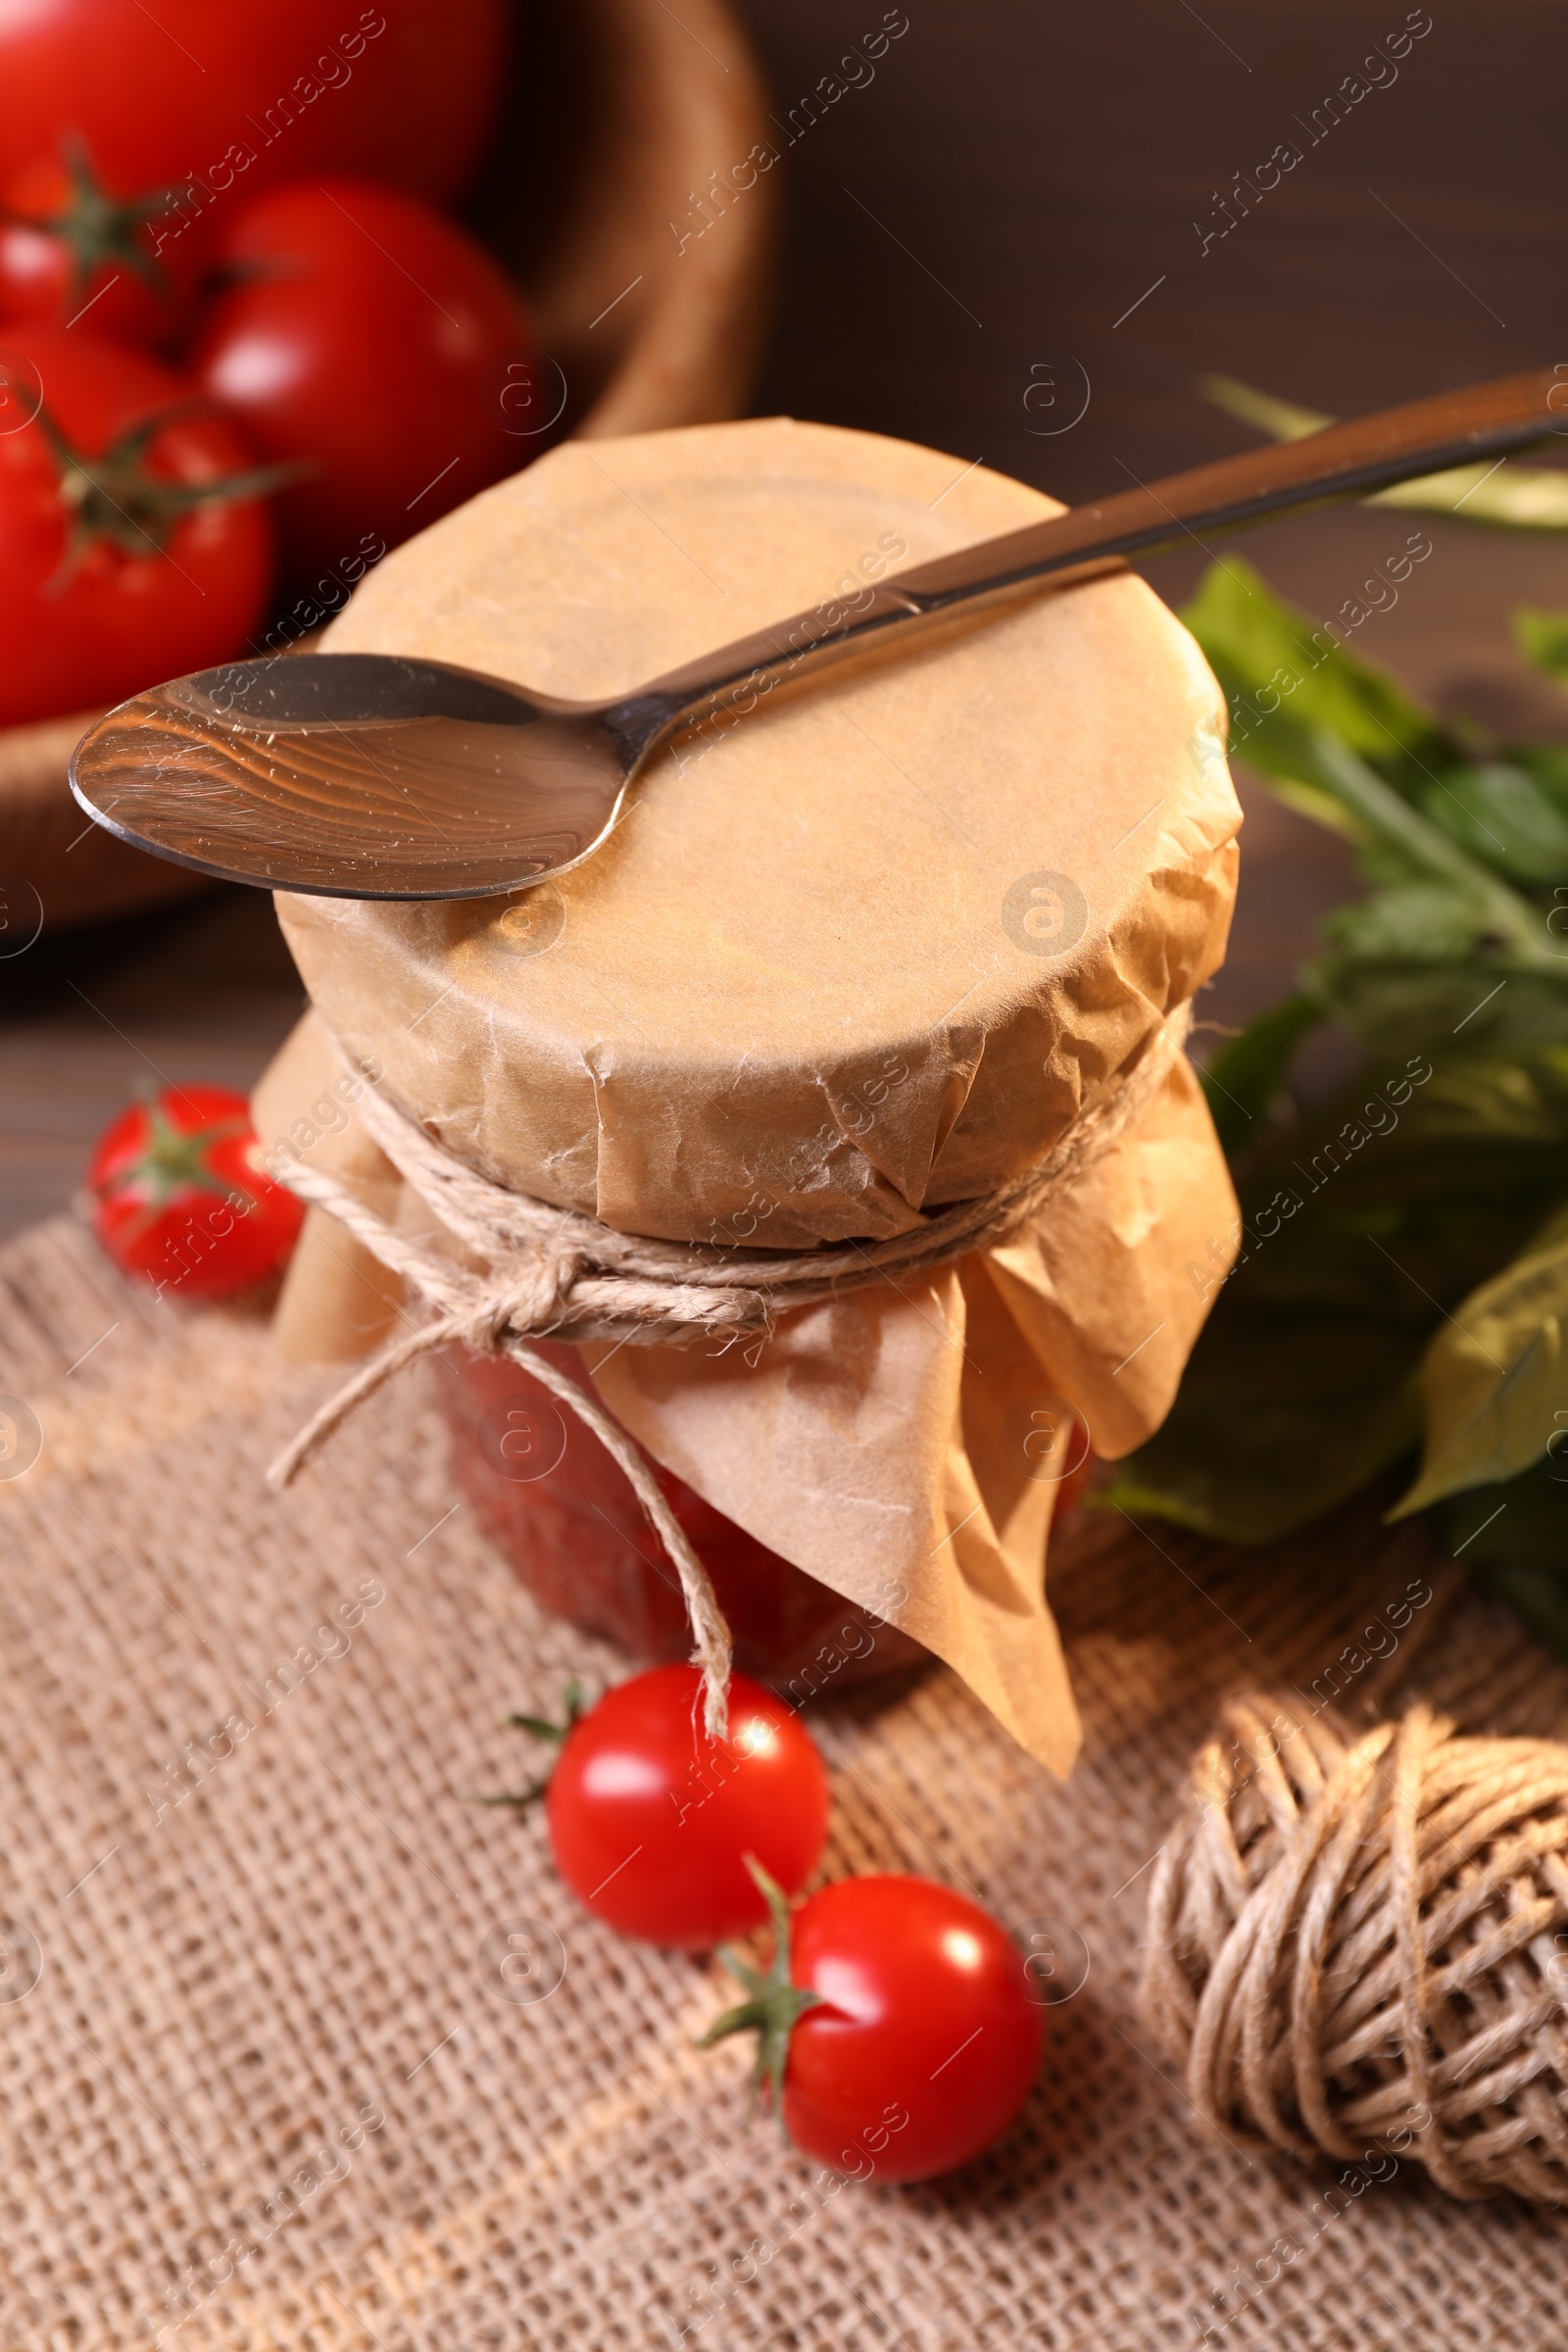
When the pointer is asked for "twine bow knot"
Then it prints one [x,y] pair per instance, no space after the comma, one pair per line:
[532,1301]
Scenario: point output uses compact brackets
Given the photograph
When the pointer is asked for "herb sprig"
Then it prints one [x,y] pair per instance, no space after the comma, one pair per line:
[1403,1275]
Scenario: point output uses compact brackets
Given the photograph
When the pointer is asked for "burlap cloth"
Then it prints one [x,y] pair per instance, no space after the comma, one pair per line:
[271,2015]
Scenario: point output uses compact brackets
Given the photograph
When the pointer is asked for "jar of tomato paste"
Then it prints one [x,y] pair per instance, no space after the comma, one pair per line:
[552,1499]
[892,944]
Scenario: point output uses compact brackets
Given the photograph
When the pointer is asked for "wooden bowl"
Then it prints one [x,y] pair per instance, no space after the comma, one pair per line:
[618,118]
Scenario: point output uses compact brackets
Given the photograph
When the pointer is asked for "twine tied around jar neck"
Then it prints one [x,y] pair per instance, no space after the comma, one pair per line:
[1357,1945]
[522,1268]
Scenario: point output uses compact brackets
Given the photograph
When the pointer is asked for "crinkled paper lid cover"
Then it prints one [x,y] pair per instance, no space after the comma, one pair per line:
[869,951]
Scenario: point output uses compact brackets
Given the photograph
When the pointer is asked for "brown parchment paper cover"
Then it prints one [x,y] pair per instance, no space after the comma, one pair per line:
[866,953]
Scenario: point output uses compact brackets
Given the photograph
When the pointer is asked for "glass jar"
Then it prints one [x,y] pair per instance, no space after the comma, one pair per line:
[562,1510]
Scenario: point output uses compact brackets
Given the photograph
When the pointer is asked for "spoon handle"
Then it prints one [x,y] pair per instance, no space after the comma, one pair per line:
[1344,460]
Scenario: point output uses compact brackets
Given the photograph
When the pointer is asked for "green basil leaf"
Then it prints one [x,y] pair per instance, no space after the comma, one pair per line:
[1544,639]
[1532,498]
[1405,836]
[1496,1376]
[1514,1539]
[1479,1008]
[1499,1104]
[1288,681]
[1547,765]
[1501,815]
[1419,922]
[1281,419]
[1244,1076]
[1277,1422]
[1363,1224]
[1378,1230]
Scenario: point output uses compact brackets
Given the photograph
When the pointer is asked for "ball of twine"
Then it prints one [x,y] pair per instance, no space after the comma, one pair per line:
[1358,1941]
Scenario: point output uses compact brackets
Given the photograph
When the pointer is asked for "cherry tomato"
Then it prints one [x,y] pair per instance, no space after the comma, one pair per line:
[897,2021]
[72,250]
[367,338]
[183,1197]
[134,544]
[238,96]
[651,1818]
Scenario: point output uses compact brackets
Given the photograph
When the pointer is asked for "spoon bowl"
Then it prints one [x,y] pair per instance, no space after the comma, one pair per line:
[357,775]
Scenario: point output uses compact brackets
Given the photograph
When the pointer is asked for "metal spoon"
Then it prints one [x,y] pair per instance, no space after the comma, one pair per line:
[372,777]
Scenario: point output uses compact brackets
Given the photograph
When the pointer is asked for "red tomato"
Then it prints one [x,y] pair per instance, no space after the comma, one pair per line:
[184,1199]
[212,98]
[71,250]
[128,552]
[367,337]
[651,1818]
[922,2043]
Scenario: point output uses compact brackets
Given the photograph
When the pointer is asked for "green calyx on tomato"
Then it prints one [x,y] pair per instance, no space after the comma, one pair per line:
[772,2004]
[115,497]
[170,1162]
[183,1197]
[574,1701]
[100,232]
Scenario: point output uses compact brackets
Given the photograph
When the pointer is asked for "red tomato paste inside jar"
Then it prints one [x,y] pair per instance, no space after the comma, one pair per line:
[562,1511]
